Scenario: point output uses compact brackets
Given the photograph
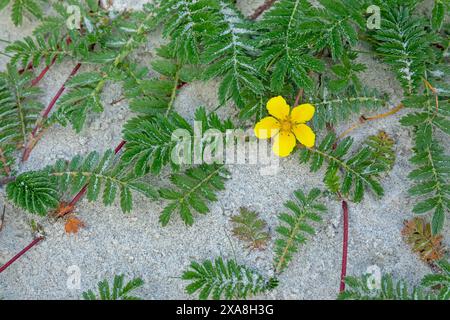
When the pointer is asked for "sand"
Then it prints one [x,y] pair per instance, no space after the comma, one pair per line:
[137,245]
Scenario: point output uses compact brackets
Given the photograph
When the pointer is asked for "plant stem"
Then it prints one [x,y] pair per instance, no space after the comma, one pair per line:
[174,92]
[23,251]
[344,246]
[44,71]
[182,85]
[114,102]
[260,10]
[299,97]
[348,167]
[83,190]
[386,114]
[434,91]
[5,54]
[78,196]
[6,180]
[60,91]
[29,67]
[122,54]
[34,138]
[2,218]
[363,119]
[4,162]
[119,146]
[185,197]
[289,243]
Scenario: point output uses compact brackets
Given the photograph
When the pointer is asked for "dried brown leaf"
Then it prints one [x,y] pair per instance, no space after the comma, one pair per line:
[417,233]
[250,229]
[73,225]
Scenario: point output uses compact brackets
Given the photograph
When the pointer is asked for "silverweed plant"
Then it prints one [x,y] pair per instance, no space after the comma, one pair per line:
[290,73]
[248,227]
[118,291]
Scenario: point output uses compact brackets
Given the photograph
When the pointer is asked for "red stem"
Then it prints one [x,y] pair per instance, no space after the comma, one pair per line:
[23,251]
[119,146]
[260,10]
[344,246]
[44,115]
[60,92]
[78,196]
[297,99]
[6,180]
[181,85]
[83,190]
[44,71]
[29,67]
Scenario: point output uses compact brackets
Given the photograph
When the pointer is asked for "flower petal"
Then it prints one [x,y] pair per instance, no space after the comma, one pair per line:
[305,135]
[278,107]
[267,128]
[303,113]
[283,144]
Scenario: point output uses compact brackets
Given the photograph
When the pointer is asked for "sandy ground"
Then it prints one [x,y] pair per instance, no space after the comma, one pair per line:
[136,245]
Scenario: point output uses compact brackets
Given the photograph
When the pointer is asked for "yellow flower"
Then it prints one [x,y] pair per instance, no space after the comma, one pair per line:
[286,126]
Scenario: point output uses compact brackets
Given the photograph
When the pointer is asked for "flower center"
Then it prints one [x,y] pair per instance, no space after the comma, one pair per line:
[286,125]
